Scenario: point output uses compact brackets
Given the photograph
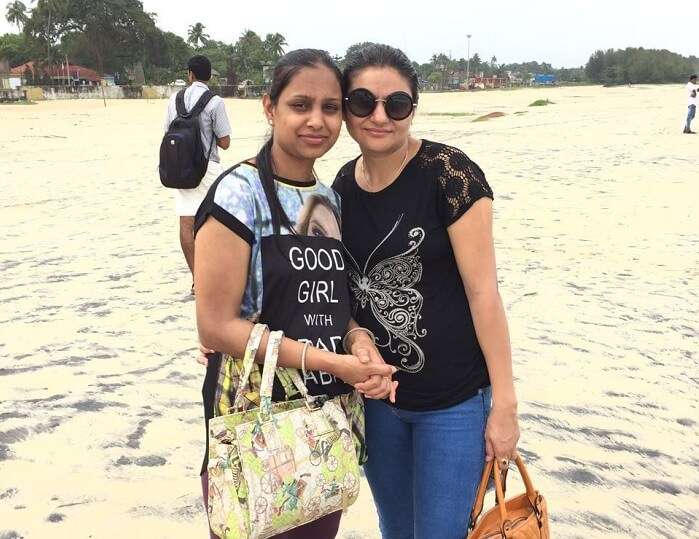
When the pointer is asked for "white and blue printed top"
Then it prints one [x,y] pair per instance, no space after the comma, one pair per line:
[237,199]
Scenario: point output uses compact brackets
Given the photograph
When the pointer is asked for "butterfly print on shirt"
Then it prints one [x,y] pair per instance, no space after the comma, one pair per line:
[389,289]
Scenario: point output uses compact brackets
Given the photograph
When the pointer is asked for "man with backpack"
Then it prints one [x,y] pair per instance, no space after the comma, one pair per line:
[195,127]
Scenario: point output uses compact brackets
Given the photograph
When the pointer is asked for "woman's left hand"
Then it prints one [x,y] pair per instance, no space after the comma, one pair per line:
[501,434]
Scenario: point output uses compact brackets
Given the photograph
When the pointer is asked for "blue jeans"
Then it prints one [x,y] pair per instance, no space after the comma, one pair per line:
[690,116]
[424,467]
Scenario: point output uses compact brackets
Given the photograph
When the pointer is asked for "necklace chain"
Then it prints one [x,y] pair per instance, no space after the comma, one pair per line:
[395,174]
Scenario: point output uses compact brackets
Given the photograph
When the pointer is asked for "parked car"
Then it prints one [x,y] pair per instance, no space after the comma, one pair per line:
[178,82]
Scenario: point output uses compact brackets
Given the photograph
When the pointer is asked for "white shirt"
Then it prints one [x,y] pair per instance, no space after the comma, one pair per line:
[692,93]
[213,119]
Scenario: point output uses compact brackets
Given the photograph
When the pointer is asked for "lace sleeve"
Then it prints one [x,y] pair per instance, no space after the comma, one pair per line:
[461,183]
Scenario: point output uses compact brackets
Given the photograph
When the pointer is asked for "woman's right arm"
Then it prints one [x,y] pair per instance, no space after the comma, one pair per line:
[221,260]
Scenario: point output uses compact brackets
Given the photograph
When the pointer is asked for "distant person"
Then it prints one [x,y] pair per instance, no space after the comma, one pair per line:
[692,90]
[214,124]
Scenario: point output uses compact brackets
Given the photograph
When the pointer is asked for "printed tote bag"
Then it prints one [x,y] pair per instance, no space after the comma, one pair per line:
[281,465]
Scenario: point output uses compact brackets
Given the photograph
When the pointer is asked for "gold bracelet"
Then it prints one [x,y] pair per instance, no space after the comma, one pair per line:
[358,328]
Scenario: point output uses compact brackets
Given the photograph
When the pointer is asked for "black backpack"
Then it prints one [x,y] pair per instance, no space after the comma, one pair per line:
[182,160]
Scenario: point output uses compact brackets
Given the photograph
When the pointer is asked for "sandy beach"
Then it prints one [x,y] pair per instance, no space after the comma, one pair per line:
[101,431]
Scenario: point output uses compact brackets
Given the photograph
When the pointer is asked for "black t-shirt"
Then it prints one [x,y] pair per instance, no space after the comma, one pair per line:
[404,279]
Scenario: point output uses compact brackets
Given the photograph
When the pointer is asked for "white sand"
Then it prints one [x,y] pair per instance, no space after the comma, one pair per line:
[596,231]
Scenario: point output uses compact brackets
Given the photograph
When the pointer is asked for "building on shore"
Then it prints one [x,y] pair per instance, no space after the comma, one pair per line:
[8,81]
[543,79]
[9,84]
[4,74]
[61,74]
[483,81]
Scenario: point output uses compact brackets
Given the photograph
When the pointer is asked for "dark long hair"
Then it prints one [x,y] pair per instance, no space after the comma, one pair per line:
[287,67]
[379,55]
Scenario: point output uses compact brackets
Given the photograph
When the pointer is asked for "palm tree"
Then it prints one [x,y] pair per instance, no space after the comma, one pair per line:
[197,35]
[476,62]
[274,44]
[44,12]
[16,14]
[54,6]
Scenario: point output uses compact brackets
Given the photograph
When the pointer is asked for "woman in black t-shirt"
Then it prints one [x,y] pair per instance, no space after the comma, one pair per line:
[417,226]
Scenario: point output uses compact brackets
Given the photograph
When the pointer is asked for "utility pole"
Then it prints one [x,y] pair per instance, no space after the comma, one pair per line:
[468,60]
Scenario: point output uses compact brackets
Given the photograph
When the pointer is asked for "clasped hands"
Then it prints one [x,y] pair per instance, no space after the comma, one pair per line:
[362,347]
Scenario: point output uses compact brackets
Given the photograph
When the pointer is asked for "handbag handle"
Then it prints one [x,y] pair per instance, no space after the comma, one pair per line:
[248,361]
[492,467]
[268,371]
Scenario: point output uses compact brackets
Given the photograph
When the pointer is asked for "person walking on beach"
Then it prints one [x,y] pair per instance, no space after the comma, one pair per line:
[417,226]
[693,99]
[215,133]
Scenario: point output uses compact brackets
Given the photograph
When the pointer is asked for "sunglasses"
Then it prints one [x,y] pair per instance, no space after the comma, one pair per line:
[398,105]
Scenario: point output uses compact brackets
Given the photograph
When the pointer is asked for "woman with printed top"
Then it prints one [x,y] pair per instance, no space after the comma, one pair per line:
[417,224]
[268,249]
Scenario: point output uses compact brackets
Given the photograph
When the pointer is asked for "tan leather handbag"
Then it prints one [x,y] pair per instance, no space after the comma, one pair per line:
[522,517]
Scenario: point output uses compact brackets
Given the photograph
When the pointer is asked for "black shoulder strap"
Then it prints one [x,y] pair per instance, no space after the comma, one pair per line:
[201,103]
[179,103]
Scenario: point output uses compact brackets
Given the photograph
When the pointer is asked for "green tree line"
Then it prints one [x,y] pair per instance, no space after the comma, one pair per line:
[113,36]
[639,65]
[441,67]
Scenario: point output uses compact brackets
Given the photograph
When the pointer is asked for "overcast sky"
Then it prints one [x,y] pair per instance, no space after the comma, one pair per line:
[561,32]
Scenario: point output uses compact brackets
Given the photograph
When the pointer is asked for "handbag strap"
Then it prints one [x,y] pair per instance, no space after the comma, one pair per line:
[492,467]
[268,372]
[488,470]
[480,493]
[532,494]
[500,496]
[248,361]
[298,383]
